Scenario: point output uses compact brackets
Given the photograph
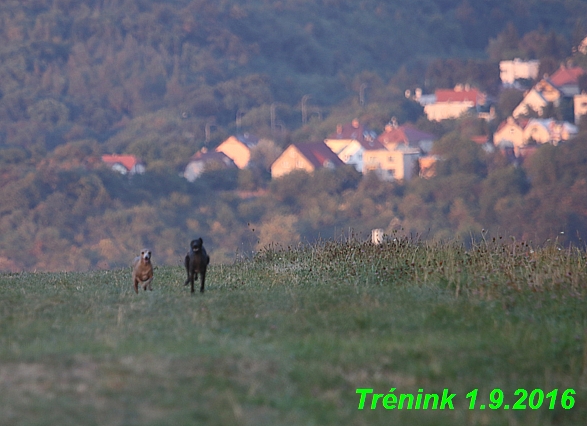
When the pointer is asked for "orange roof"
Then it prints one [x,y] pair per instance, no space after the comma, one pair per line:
[393,135]
[405,133]
[479,139]
[565,75]
[451,95]
[128,161]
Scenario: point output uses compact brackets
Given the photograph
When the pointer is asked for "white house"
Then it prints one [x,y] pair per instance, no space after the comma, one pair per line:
[452,103]
[510,71]
[124,164]
[563,83]
[510,134]
[350,141]
[398,164]
[549,131]
[534,102]
[580,104]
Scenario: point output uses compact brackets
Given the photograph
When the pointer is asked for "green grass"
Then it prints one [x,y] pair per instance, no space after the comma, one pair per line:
[287,337]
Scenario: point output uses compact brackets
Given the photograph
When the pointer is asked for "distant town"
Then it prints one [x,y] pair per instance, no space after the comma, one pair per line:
[403,151]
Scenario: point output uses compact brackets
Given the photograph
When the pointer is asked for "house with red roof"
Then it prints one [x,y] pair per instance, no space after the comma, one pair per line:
[452,103]
[406,135]
[566,79]
[124,164]
[351,141]
[305,156]
[550,90]
[391,155]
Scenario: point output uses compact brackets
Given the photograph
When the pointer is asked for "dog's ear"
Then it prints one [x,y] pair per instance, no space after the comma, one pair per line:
[201,241]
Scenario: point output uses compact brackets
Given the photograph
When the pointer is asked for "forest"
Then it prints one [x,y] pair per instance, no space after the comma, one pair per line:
[163,79]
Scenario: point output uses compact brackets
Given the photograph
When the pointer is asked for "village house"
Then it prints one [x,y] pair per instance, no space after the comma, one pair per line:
[582,47]
[518,134]
[406,135]
[305,156]
[580,106]
[124,164]
[567,80]
[390,155]
[563,83]
[549,130]
[350,141]
[510,71]
[238,148]
[510,134]
[537,98]
[452,103]
[397,164]
[204,160]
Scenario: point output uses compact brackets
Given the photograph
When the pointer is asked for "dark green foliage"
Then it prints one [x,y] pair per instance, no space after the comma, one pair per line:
[161,80]
[94,67]
[459,155]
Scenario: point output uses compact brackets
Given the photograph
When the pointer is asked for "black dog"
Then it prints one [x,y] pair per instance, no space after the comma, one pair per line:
[196,261]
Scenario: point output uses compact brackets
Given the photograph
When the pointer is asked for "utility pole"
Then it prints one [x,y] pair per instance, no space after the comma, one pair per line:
[209,125]
[239,120]
[362,94]
[272,112]
[304,112]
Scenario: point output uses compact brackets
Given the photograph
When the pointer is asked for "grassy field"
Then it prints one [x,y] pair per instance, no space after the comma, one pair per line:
[287,338]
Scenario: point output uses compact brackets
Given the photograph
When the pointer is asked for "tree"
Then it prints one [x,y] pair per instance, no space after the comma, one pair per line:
[508,100]
[459,155]
[503,183]
[506,45]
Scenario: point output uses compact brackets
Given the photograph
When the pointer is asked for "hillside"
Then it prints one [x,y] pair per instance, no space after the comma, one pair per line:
[84,70]
[160,80]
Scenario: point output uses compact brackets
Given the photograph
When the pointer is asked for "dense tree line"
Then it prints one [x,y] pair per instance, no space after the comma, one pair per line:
[66,214]
[162,79]
[98,68]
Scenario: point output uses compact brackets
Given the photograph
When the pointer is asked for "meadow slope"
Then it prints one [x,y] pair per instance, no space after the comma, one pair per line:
[287,338]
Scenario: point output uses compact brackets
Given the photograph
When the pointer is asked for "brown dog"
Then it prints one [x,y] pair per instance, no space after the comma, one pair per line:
[142,270]
[196,261]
